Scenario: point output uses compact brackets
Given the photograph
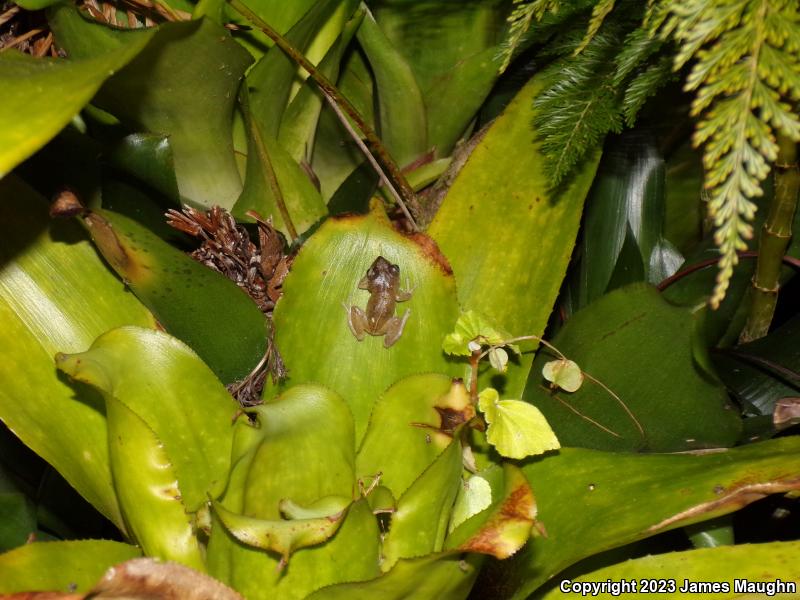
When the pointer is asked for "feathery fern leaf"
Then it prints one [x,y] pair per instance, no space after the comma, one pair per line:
[747,68]
[599,14]
[644,85]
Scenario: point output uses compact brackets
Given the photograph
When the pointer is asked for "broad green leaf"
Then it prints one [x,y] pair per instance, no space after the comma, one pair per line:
[311,324]
[184,295]
[415,419]
[584,500]
[56,295]
[474,326]
[742,571]
[644,351]
[303,450]
[401,110]
[29,116]
[451,49]
[503,189]
[62,566]
[504,524]
[564,374]
[166,385]
[515,428]
[148,489]
[164,92]
[419,524]
[448,576]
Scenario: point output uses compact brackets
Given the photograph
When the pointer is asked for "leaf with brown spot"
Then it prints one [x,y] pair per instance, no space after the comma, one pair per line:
[150,579]
[505,525]
[593,501]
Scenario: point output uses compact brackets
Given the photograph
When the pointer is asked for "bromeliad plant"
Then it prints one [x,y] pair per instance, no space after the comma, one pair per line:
[448,455]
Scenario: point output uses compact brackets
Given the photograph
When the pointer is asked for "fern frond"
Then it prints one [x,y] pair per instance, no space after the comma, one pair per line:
[637,48]
[580,106]
[519,22]
[599,14]
[644,85]
[746,68]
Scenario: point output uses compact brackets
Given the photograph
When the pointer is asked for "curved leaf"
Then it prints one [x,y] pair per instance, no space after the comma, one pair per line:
[64,566]
[746,570]
[621,341]
[414,419]
[182,85]
[419,524]
[148,490]
[30,118]
[401,110]
[165,384]
[184,295]
[56,295]
[514,276]
[584,499]
[446,575]
[311,325]
[303,450]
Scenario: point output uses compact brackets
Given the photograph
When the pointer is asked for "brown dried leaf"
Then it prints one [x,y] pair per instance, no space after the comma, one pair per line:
[150,579]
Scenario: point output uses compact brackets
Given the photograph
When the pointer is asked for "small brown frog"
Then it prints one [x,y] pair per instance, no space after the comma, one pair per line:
[382,281]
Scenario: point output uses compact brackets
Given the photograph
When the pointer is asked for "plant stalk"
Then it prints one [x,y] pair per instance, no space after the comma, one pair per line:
[775,237]
[407,198]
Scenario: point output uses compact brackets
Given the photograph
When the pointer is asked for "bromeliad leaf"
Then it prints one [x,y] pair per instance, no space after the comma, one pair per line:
[516,429]
[474,326]
[564,374]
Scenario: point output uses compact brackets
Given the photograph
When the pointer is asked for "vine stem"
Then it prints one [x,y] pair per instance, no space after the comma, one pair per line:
[391,171]
[548,345]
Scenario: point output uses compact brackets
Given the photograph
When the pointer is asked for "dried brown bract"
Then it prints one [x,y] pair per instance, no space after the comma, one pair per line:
[26,30]
[259,269]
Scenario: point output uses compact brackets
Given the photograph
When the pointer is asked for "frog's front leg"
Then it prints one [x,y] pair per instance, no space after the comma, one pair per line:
[394,329]
[403,295]
[357,321]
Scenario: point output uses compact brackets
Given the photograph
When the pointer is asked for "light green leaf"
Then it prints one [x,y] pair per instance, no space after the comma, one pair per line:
[401,109]
[29,117]
[167,385]
[503,189]
[564,374]
[148,490]
[741,571]
[503,526]
[419,525]
[517,429]
[60,566]
[325,276]
[474,326]
[415,419]
[283,536]
[56,295]
[584,501]
[474,496]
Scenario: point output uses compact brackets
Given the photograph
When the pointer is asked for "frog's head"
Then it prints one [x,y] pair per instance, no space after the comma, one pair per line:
[381,269]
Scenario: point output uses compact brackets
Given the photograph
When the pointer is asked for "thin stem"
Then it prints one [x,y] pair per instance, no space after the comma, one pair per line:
[583,416]
[375,164]
[390,166]
[621,403]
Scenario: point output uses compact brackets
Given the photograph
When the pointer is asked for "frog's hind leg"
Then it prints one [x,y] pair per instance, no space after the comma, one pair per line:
[394,329]
[356,320]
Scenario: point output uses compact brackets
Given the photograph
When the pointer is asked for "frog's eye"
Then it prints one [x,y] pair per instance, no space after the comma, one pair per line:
[394,269]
